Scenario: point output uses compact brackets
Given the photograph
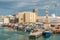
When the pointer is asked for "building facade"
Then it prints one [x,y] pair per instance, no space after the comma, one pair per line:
[4,20]
[1,20]
[30,17]
[26,17]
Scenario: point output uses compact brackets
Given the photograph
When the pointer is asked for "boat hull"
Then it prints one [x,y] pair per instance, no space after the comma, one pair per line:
[29,30]
[47,34]
[3,25]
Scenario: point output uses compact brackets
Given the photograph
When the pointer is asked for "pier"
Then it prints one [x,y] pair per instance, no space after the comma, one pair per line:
[36,33]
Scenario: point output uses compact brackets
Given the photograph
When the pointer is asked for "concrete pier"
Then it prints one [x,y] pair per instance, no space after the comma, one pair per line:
[56,30]
[36,33]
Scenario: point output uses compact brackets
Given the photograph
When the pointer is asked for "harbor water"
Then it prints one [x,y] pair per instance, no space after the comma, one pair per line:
[10,34]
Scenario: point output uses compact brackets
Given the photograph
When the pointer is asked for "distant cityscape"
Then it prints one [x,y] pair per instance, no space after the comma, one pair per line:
[27,17]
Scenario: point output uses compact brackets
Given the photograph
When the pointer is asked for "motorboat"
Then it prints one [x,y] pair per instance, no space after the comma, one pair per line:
[28,29]
[46,33]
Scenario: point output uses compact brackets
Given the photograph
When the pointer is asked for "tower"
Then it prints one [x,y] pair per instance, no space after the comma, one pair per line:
[46,15]
[35,11]
[47,22]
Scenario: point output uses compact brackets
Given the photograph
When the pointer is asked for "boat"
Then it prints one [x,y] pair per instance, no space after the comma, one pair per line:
[56,29]
[46,33]
[9,25]
[3,25]
[21,27]
[28,29]
[35,33]
[16,26]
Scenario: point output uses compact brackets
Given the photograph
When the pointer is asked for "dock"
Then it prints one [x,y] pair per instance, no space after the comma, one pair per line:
[56,31]
[36,33]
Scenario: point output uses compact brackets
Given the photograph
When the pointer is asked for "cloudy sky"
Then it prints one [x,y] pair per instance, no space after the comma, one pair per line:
[13,6]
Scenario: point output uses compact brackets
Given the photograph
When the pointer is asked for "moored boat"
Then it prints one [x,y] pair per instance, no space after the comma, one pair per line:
[3,25]
[46,33]
[28,29]
[9,25]
[35,33]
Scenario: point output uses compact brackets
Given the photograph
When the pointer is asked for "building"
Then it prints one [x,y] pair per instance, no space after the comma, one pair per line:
[4,20]
[1,20]
[20,17]
[26,17]
[11,18]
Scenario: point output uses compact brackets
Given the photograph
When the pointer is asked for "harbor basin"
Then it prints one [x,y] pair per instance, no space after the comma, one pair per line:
[10,34]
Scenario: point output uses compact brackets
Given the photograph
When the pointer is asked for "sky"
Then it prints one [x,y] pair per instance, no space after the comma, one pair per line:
[8,7]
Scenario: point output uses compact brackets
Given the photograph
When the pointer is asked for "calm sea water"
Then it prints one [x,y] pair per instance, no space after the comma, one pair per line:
[9,34]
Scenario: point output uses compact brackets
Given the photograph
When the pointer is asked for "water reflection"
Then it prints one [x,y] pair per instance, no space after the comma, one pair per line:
[33,38]
[40,38]
[19,35]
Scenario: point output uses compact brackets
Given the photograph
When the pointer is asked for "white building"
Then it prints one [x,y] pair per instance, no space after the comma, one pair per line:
[4,20]
[1,20]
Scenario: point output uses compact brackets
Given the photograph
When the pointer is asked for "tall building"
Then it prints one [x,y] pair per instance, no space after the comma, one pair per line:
[26,17]
[35,11]
[30,17]
[20,17]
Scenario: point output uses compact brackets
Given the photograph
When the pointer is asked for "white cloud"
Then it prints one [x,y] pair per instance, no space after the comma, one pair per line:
[41,4]
[35,0]
[44,7]
[6,0]
[22,0]
[20,4]
[11,0]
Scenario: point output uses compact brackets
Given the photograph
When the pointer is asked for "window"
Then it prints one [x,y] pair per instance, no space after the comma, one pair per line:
[21,18]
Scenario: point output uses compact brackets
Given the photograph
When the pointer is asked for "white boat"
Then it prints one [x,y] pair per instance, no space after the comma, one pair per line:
[37,33]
